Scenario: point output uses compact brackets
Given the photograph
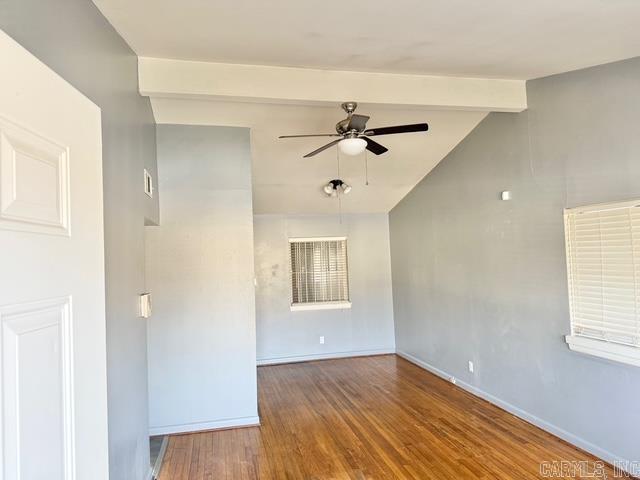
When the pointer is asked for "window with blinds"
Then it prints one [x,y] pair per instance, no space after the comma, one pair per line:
[319,273]
[603,265]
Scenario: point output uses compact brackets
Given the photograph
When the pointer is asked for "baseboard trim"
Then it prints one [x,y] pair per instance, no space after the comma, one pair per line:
[150,475]
[518,412]
[203,426]
[323,356]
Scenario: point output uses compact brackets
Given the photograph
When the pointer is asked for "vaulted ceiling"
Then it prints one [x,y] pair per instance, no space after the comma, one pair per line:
[284,182]
[276,101]
[447,62]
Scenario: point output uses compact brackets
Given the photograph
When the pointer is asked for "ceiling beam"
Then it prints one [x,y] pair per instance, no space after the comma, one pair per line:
[165,78]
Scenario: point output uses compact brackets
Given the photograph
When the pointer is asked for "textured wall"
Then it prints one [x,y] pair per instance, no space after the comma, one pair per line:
[476,278]
[367,327]
[202,344]
[75,40]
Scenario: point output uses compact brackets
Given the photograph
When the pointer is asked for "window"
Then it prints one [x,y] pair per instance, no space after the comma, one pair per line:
[319,273]
[603,265]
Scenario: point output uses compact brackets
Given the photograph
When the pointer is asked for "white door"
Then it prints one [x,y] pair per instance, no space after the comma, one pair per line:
[52,316]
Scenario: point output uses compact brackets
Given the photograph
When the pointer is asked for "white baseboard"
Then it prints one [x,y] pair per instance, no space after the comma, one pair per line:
[149,475]
[201,426]
[518,412]
[323,356]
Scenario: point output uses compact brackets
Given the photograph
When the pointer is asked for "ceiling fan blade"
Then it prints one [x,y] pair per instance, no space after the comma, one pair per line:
[416,127]
[328,145]
[375,147]
[312,135]
[357,122]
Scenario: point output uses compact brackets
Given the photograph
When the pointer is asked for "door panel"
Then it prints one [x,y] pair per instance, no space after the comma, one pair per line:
[52,314]
[37,389]
[34,180]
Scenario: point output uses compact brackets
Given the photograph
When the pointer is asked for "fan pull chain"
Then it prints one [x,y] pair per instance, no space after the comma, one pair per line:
[337,193]
[366,168]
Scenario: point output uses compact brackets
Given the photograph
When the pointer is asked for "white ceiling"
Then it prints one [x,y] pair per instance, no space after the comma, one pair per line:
[438,39]
[492,38]
[284,182]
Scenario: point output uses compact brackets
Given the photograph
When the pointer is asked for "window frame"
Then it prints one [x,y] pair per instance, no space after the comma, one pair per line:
[609,350]
[329,305]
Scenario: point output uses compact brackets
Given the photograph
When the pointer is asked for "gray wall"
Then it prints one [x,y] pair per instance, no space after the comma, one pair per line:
[367,327]
[202,347]
[476,278]
[75,40]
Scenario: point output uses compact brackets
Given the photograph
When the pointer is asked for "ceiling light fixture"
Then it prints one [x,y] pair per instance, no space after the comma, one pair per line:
[336,186]
[352,145]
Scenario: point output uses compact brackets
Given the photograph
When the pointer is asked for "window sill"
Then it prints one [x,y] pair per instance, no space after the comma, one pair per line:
[599,348]
[300,307]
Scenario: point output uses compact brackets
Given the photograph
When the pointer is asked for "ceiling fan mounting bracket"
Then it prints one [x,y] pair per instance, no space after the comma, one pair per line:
[349,107]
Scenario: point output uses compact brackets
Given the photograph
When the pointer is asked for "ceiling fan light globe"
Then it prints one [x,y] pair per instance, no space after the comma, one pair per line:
[346,188]
[352,146]
[328,189]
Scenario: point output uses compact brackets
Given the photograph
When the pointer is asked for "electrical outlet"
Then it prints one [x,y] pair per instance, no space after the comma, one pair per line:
[470,366]
[322,340]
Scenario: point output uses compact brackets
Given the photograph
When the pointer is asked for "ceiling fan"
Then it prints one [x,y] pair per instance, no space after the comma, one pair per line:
[354,135]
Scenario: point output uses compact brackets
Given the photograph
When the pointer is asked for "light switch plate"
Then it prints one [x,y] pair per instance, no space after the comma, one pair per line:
[148,183]
[144,307]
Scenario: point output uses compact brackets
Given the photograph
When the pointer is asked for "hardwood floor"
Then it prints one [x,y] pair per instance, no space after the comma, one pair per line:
[368,418]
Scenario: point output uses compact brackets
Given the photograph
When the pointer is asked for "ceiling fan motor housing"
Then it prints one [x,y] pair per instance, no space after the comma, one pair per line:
[342,126]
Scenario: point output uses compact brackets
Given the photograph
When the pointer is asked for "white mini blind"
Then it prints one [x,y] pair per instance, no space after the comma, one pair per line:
[319,272]
[603,257]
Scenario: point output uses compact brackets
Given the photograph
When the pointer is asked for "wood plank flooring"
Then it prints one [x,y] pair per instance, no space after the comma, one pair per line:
[368,418]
